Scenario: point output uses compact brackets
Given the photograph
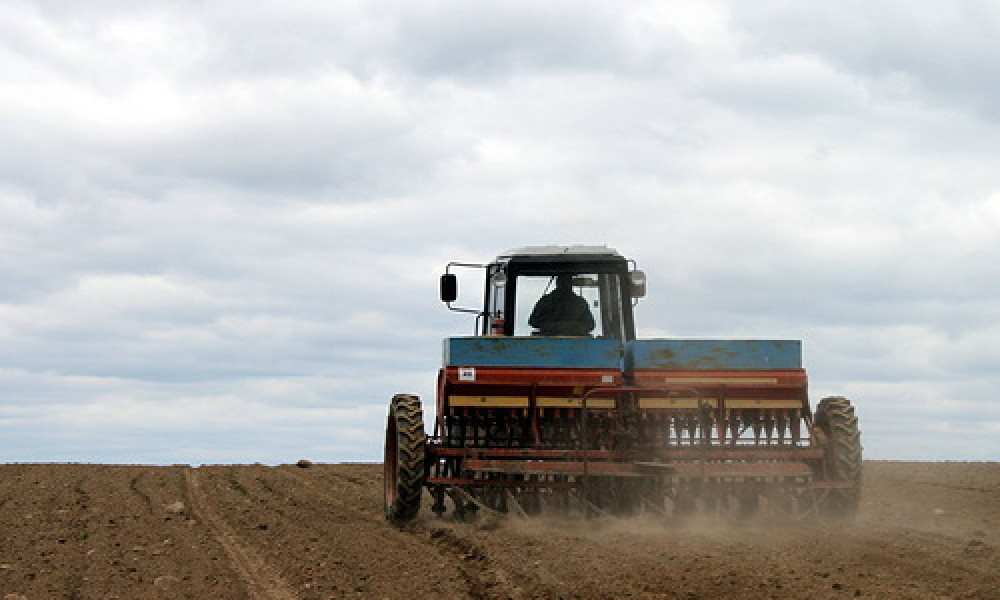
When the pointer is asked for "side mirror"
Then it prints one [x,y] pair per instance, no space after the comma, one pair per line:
[638,280]
[449,287]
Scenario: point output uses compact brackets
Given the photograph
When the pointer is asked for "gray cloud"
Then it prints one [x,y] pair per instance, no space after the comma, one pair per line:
[941,52]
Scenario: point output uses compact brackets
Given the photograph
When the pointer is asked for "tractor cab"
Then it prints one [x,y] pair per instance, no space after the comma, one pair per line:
[554,291]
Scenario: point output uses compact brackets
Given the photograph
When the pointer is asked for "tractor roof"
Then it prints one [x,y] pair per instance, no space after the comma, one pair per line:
[578,251]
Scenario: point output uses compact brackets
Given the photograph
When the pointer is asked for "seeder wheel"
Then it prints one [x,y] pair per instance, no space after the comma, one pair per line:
[835,418]
[403,461]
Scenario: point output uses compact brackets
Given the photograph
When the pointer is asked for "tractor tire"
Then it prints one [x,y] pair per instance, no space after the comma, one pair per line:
[842,461]
[403,461]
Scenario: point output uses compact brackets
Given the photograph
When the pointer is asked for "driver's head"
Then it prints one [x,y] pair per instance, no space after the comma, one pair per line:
[564,281]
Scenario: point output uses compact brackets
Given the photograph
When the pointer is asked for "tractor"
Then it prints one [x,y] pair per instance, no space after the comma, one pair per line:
[555,406]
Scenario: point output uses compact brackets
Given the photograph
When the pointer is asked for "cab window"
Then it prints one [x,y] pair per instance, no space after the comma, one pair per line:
[592,294]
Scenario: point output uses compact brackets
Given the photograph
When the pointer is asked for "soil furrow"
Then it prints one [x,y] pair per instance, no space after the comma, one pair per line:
[485,578]
[133,485]
[262,581]
[342,539]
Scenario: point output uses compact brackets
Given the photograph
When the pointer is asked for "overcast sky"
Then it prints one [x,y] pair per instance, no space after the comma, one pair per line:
[221,226]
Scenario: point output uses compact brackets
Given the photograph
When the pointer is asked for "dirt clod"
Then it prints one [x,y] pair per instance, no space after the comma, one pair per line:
[165,581]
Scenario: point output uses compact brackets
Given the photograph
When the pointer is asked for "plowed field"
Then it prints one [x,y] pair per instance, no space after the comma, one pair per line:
[927,530]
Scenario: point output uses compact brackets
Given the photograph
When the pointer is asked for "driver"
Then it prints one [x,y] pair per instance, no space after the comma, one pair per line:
[562,312]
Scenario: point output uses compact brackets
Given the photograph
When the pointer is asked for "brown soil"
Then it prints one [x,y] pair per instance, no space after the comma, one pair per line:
[926,530]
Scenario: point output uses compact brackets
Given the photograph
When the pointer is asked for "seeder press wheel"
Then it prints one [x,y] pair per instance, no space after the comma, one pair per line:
[842,462]
[403,462]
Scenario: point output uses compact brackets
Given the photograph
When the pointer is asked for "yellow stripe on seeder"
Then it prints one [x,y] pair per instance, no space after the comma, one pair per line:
[490,401]
[522,402]
[676,402]
[553,402]
[763,403]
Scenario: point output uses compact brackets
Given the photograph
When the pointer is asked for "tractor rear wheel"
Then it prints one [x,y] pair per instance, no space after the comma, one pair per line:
[842,462]
[403,461]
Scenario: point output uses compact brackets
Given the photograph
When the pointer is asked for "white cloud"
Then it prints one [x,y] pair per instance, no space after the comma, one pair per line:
[207,210]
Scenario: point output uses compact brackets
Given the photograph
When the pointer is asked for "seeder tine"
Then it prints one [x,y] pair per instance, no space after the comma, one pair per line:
[464,499]
[648,506]
[589,509]
[514,507]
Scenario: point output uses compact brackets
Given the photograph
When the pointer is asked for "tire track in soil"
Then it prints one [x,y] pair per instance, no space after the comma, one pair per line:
[261,580]
[133,486]
[483,577]
[75,537]
[355,531]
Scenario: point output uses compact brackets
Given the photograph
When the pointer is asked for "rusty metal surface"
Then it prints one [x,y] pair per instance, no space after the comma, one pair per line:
[503,351]
[667,455]
[700,470]
[742,469]
[721,378]
[530,467]
[714,354]
[520,377]
[518,483]
[525,453]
